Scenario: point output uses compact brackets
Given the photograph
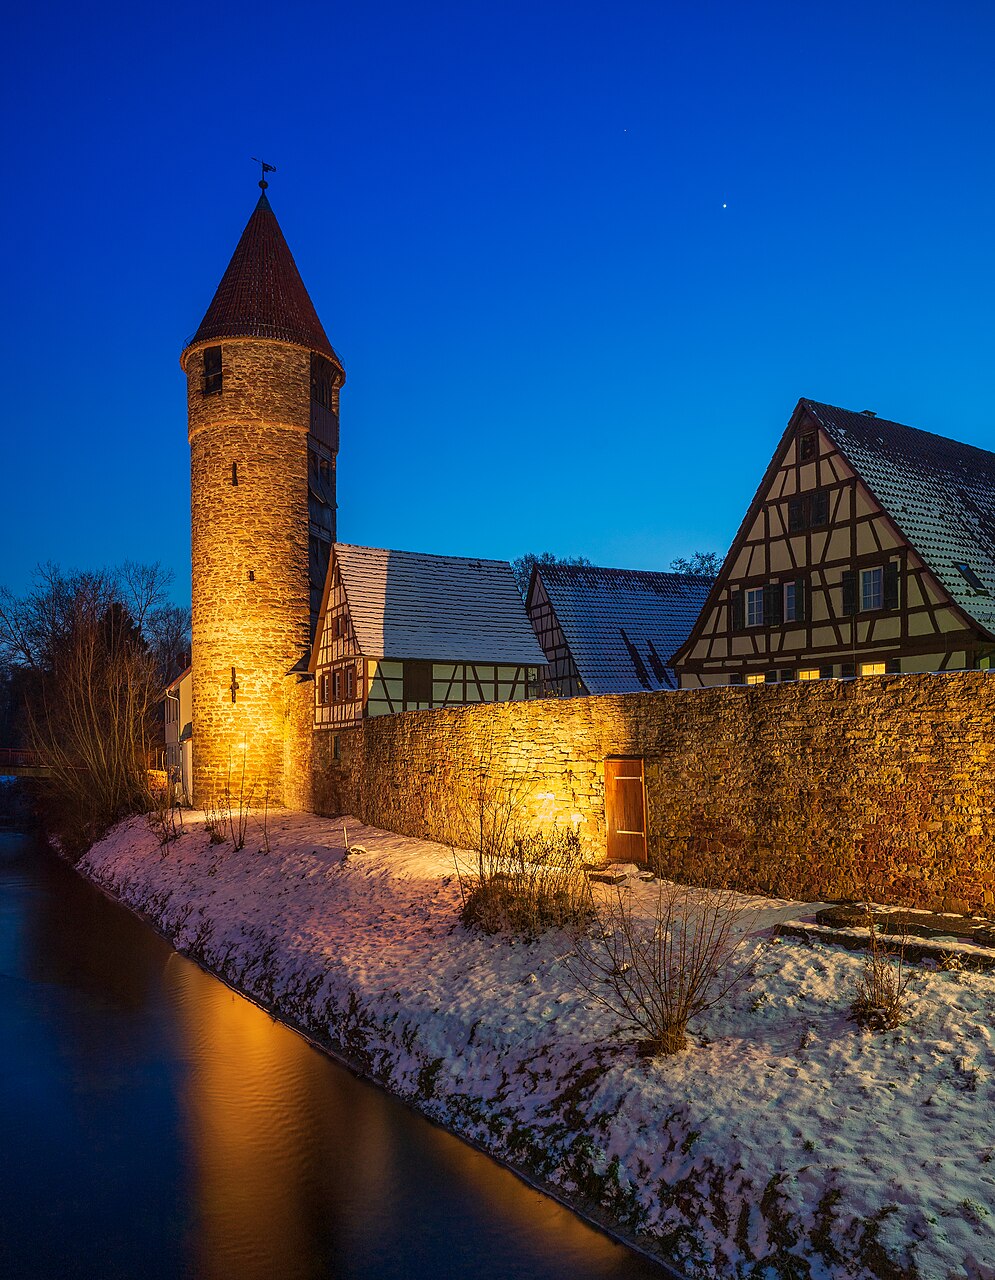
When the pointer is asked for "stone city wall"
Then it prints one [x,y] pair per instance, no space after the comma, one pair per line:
[823,789]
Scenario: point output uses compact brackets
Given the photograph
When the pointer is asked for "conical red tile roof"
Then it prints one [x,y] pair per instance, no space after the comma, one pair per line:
[262,295]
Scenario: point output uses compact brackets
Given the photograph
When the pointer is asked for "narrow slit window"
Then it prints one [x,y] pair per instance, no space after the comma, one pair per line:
[212,371]
[234,473]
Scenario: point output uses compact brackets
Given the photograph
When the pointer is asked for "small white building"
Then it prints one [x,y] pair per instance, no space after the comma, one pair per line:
[179,734]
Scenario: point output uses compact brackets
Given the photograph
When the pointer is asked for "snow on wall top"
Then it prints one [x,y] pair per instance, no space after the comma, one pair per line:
[443,608]
[939,493]
[623,625]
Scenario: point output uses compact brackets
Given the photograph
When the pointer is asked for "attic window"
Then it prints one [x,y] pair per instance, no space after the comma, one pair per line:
[212,371]
[972,579]
[806,446]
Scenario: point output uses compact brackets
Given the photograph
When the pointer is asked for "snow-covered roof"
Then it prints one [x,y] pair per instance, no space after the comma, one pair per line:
[445,608]
[623,625]
[939,493]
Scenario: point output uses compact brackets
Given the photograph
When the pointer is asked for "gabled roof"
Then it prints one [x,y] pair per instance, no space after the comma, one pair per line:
[443,608]
[940,495]
[623,625]
[261,294]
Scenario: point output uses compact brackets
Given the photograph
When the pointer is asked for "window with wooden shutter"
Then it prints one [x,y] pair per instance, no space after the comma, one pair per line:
[794,600]
[417,682]
[819,509]
[894,666]
[738,610]
[849,593]
[891,592]
[773,614]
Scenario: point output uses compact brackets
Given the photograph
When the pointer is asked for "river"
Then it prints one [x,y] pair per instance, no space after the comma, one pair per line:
[153,1124]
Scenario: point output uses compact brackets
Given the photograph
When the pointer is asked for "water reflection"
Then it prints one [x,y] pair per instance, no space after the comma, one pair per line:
[156,1124]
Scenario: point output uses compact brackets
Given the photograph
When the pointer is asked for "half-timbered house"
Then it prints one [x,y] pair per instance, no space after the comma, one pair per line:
[400,631]
[611,630]
[869,548]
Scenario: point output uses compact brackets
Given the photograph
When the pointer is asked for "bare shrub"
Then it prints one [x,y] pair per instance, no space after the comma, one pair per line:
[164,815]
[265,823]
[880,1000]
[217,816]
[519,880]
[659,968]
[537,883]
[237,800]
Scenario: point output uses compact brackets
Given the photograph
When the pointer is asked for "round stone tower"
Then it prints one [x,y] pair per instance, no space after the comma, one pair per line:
[262,401]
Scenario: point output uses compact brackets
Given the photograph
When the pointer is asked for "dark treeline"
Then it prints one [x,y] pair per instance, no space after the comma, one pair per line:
[84,658]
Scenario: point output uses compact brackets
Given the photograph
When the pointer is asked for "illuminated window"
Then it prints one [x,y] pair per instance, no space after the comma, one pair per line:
[755,607]
[872,588]
[872,668]
[808,673]
[755,678]
[212,371]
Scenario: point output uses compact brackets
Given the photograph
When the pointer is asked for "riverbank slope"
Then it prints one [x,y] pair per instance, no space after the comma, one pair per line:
[784,1143]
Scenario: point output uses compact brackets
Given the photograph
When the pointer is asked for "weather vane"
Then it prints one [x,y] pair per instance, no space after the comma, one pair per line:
[266,168]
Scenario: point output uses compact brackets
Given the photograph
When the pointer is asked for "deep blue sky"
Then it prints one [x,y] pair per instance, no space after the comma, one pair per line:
[511,218]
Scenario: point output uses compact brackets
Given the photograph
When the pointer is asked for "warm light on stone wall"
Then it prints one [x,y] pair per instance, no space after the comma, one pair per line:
[820,789]
[250,563]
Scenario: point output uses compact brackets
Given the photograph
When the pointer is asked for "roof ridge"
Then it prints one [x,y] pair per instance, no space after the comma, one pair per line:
[421,555]
[871,419]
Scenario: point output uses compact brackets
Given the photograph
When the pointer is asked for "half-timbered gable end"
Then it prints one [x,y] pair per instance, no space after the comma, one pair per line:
[869,548]
[611,630]
[404,632]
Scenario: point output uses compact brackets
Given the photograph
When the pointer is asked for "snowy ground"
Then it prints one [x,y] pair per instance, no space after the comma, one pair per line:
[785,1143]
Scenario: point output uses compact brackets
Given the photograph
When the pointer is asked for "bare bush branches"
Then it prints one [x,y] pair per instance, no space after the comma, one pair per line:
[237,802]
[881,1000]
[658,969]
[91,672]
[521,880]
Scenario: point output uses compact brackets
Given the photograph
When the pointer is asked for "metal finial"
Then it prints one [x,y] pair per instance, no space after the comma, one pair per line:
[266,168]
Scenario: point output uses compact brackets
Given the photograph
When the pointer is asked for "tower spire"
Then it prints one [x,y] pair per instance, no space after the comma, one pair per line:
[261,294]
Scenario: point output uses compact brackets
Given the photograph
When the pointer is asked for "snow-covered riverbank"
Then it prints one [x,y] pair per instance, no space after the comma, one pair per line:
[785,1143]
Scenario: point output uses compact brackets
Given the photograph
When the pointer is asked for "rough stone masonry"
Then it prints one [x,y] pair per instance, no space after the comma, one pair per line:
[880,787]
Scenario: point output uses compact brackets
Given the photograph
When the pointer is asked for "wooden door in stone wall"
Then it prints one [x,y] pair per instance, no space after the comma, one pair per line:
[625,809]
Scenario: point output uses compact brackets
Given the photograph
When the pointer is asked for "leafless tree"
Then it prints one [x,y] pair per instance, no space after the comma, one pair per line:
[92,685]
